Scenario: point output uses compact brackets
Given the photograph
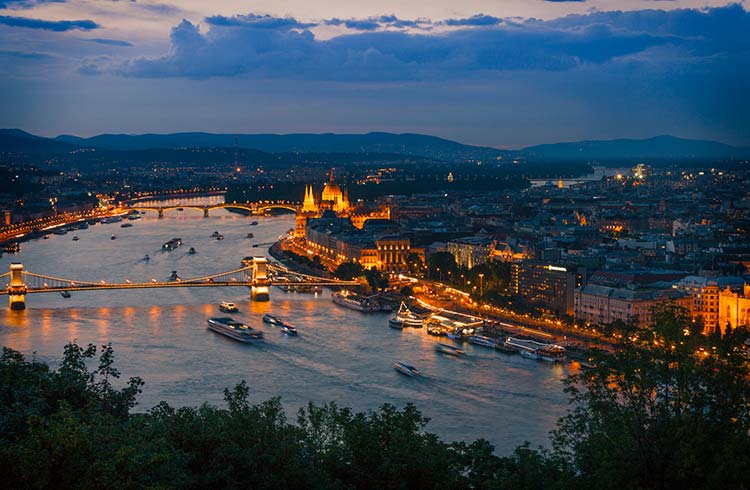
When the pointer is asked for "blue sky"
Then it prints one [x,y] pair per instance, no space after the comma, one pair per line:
[504,73]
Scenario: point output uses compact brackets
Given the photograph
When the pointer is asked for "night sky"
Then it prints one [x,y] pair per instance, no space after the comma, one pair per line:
[504,73]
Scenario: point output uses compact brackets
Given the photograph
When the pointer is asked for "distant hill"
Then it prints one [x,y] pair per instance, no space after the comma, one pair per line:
[405,144]
[659,147]
[18,141]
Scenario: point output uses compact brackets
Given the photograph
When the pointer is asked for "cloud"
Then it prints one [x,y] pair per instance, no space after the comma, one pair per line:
[109,42]
[26,55]
[357,24]
[25,4]
[476,20]
[49,25]
[267,47]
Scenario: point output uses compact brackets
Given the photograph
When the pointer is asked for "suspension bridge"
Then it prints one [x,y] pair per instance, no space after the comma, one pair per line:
[254,208]
[258,275]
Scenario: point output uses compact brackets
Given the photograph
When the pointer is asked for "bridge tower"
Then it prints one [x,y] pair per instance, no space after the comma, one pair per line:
[161,212]
[260,283]
[17,288]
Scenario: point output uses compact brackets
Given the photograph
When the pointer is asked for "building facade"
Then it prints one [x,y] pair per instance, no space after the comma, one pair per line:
[602,305]
[547,286]
[734,307]
[471,251]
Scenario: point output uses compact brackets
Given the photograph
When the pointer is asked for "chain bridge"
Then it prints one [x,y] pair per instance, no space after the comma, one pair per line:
[259,275]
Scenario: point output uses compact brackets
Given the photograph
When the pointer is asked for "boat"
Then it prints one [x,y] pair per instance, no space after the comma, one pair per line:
[220,237]
[235,330]
[396,323]
[286,328]
[134,216]
[126,225]
[180,209]
[83,225]
[45,237]
[146,258]
[228,307]
[60,231]
[552,353]
[253,223]
[355,302]
[482,340]
[406,317]
[214,234]
[406,369]
[75,238]
[530,354]
[172,244]
[192,251]
[268,318]
[65,294]
[113,237]
[435,331]
[174,276]
[249,235]
[451,350]
[506,347]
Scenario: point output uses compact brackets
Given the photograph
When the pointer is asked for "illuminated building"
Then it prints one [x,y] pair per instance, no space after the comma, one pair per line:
[335,199]
[602,305]
[734,307]
[471,251]
[705,294]
[547,286]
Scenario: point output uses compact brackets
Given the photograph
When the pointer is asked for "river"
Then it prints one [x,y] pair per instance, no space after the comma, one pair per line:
[341,355]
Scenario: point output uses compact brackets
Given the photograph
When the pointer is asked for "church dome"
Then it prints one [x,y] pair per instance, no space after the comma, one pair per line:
[331,192]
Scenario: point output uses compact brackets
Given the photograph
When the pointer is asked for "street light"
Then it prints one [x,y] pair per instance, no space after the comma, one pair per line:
[481,285]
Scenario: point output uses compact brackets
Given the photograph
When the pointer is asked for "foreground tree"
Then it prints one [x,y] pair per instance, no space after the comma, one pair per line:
[670,409]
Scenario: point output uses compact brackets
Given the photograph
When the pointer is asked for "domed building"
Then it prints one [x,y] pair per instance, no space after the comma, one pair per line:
[333,197]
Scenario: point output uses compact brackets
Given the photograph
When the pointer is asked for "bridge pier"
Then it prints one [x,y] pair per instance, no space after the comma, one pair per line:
[161,212]
[260,283]
[205,212]
[17,288]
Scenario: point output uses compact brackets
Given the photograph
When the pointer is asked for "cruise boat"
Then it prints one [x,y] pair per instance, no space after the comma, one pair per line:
[482,340]
[355,302]
[406,369]
[235,330]
[228,307]
[451,350]
[552,353]
[406,318]
[506,347]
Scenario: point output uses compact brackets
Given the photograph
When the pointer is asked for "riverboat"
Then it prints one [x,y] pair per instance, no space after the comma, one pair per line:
[235,330]
[355,302]
[483,341]
[530,354]
[406,318]
[285,327]
[406,369]
[228,307]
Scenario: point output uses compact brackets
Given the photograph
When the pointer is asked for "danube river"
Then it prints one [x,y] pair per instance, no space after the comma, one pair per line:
[341,355]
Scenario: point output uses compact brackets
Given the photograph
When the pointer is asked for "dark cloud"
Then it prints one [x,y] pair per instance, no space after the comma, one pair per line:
[48,25]
[476,20]
[356,24]
[110,42]
[26,55]
[25,4]
[253,21]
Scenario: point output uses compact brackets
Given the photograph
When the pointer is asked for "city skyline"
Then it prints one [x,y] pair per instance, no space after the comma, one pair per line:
[501,74]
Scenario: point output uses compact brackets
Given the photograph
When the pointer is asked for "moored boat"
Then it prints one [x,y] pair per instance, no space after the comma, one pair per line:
[355,302]
[407,318]
[396,323]
[530,354]
[406,369]
[236,330]
[483,341]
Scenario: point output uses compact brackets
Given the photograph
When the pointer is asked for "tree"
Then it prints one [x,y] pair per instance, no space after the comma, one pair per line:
[376,280]
[348,270]
[440,264]
[414,264]
[670,409]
